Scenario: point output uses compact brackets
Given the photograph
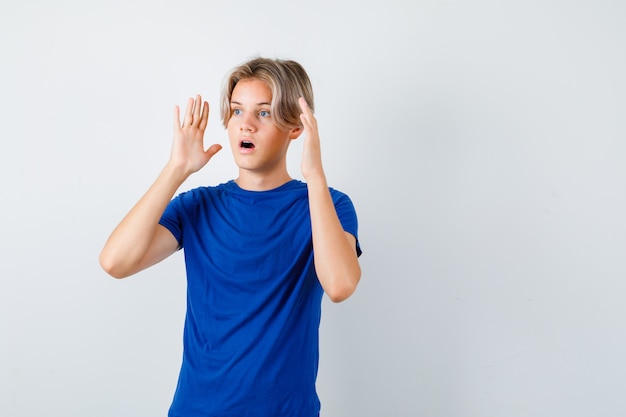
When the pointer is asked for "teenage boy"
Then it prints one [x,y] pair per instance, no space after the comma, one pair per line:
[260,250]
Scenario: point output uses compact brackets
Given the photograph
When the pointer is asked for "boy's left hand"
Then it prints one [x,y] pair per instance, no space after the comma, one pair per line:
[311,154]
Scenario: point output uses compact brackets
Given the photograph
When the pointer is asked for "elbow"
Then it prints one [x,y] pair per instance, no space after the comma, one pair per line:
[343,289]
[111,267]
[339,296]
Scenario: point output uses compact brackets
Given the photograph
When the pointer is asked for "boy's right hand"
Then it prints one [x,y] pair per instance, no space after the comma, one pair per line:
[188,154]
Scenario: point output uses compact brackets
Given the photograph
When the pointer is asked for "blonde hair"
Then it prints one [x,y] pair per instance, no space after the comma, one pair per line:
[287,80]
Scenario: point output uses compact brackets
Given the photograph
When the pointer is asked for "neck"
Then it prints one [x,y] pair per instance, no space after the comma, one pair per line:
[254,182]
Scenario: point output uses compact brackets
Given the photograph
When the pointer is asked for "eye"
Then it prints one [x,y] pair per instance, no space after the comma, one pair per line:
[264,113]
[236,112]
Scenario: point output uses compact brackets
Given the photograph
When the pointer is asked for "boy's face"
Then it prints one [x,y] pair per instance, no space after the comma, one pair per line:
[257,143]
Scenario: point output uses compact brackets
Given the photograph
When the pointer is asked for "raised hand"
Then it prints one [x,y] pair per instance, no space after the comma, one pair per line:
[311,154]
[334,250]
[188,151]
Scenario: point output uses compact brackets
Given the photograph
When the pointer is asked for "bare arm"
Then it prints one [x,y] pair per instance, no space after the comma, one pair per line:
[139,241]
[334,249]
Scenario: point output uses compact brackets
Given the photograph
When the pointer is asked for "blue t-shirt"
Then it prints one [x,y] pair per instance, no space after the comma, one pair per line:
[253,300]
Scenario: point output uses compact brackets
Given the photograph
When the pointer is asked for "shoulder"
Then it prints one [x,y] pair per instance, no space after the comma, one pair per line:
[196,200]
[203,193]
[339,196]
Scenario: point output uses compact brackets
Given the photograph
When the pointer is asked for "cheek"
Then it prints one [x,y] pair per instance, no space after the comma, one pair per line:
[231,127]
[233,138]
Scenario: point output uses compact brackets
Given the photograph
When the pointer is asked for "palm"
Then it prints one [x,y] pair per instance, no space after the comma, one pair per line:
[311,154]
[188,146]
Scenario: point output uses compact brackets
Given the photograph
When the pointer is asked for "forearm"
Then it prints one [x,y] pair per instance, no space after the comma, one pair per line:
[334,249]
[129,243]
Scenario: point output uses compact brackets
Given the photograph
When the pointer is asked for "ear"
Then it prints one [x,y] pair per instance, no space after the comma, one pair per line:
[295,132]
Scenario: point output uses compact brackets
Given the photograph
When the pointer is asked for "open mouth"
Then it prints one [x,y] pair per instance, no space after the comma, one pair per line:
[246,144]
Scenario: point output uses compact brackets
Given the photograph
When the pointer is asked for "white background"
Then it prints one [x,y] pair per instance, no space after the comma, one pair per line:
[482,143]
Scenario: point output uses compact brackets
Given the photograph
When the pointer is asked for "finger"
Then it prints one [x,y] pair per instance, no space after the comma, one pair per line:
[307,113]
[197,108]
[189,113]
[308,121]
[176,117]
[305,121]
[213,149]
[303,104]
[205,116]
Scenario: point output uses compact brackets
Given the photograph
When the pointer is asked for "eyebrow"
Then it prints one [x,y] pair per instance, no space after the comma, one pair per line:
[258,104]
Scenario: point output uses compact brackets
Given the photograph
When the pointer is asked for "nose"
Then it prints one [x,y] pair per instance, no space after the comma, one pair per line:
[248,123]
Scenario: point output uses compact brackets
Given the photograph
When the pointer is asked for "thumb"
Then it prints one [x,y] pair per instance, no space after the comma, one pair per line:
[213,149]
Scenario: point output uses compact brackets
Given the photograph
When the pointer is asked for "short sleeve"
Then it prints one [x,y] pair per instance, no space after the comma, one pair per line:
[171,219]
[347,216]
